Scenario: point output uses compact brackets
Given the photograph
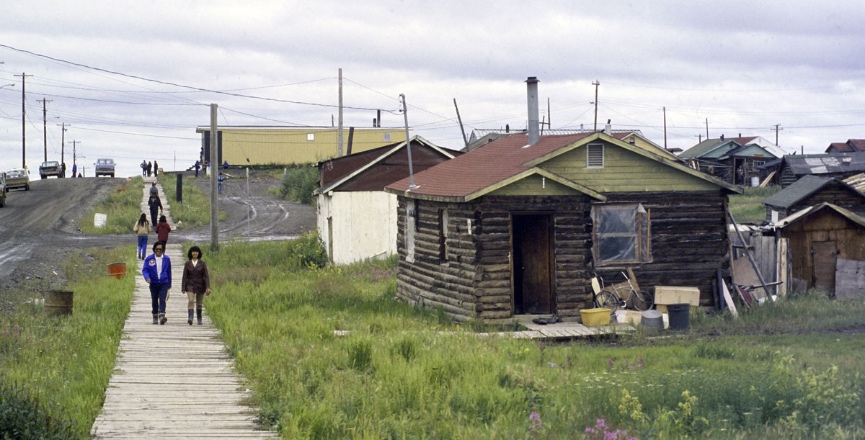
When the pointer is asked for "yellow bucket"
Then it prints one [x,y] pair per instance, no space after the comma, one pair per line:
[595,317]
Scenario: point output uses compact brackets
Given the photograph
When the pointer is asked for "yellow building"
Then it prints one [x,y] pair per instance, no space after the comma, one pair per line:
[257,145]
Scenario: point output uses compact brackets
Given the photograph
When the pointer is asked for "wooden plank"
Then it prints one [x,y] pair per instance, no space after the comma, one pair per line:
[849,278]
[173,380]
[729,300]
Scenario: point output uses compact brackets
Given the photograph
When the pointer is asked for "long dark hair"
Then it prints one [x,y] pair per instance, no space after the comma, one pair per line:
[142,220]
[194,248]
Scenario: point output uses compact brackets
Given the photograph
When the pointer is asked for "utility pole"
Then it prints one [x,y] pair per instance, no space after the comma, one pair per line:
[23,125]
[63,148]
[74,155]
[460,120]
[339,130]
[707,128]
[596,84]
[407,143]
[214,166]
[44,127]
[776,134]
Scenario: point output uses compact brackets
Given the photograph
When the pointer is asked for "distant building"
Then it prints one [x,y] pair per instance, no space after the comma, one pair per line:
[263,145]
[851,146]
[734,160]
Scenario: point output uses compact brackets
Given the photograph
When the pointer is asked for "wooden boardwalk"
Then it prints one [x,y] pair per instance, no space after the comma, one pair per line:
[173,381]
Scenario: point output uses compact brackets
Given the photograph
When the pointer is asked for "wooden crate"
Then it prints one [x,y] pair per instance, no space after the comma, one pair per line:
[677,295]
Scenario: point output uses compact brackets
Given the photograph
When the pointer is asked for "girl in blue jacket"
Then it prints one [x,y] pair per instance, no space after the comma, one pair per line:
[157,273]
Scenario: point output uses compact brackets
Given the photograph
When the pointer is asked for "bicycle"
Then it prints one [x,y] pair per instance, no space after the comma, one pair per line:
[620,295]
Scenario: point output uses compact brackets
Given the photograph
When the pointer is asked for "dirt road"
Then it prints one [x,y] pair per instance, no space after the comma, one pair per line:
[40,228]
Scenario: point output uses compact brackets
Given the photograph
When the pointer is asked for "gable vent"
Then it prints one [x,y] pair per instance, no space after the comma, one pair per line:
[595,156]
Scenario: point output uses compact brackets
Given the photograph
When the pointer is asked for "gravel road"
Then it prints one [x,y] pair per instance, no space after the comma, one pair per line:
[39,228]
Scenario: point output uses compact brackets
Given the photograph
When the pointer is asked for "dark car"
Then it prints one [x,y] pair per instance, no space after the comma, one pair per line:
[50,168]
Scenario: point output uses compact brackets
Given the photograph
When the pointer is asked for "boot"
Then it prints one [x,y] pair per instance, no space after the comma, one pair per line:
[189,321]
[162,319]
[155,319]
[198,314]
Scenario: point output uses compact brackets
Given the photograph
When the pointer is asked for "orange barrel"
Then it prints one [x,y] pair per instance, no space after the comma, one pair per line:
[117,270]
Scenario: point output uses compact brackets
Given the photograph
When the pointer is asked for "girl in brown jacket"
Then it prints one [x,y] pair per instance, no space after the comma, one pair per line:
[142,228]
[196,282]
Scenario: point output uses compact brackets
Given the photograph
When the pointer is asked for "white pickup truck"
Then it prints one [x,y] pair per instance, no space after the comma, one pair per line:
[104,167]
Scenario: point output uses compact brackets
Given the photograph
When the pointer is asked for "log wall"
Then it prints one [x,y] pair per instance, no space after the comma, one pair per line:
[689,241]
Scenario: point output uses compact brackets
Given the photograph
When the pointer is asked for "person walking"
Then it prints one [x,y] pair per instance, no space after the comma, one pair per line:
[162,229]
[195,283]
[157,273]
[154,191]
[155,168]
[74,169]
[197,167]
[155,206]
[143,168]
[149,168]
[219,180]
[142,228]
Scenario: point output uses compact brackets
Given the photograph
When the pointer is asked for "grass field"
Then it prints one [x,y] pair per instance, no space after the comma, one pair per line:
[789,369]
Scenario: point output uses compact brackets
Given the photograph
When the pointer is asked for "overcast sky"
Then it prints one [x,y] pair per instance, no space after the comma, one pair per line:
[134,79]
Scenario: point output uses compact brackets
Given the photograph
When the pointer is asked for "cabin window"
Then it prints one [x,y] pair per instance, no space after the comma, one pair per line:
[595,156]
[310,137]
[443,235]
[410,225]
[387,137]
[621,234]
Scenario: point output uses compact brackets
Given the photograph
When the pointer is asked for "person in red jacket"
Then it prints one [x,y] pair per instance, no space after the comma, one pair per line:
[162,229]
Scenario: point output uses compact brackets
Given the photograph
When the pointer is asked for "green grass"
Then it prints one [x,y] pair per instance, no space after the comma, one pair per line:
[122,207]
[62,364]
[749,207]
[786,370]
[194,211]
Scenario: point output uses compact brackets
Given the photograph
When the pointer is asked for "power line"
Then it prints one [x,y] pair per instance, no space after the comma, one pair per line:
[169,83]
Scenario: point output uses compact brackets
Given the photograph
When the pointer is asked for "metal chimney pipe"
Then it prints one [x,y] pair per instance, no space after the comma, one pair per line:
[534,117]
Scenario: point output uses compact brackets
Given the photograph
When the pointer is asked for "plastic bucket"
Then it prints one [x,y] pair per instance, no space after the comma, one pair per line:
[595,317]
[58,303]
[678,316]
[117,270]
[652,319]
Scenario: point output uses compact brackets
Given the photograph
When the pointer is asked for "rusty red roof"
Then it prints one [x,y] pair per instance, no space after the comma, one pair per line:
[484,166]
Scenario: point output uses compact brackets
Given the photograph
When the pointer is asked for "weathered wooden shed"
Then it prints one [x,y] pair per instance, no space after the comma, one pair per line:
[809,191]
[824,240]
[841,165]
[517,227]
[356,218]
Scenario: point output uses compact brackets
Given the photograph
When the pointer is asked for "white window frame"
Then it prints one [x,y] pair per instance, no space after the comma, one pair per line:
[595,157]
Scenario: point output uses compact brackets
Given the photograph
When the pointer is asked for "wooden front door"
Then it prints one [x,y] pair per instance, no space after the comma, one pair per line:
[532,264]
[825,254]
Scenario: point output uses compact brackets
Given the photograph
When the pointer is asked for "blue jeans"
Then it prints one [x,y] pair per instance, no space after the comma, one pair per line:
[158,295]
[142,245]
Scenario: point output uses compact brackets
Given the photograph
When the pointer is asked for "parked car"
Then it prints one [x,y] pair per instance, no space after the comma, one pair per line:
[104,167]
[2,190]
[17,178]
[50,168]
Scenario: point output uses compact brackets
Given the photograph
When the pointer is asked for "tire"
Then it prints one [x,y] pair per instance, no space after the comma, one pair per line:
[607,300]
[642,300]
[43,176]
[27,188]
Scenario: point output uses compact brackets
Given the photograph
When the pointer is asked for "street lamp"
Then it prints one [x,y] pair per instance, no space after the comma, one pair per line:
[7,85]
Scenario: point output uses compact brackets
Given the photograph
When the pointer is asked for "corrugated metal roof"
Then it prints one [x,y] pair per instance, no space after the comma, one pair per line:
[726,145]
[837,163]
